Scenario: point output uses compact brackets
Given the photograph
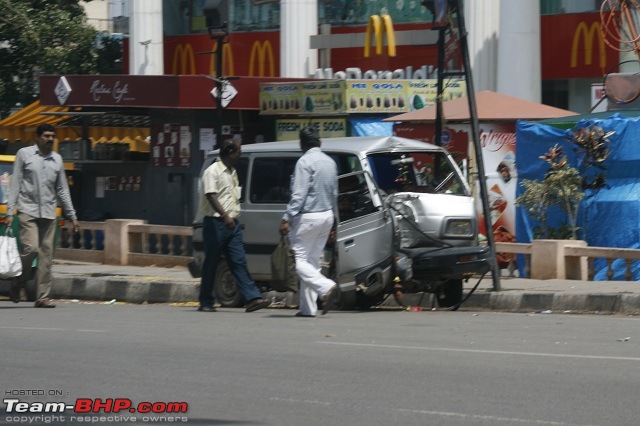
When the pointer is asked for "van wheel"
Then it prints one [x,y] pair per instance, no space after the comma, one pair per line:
[31,287]
[365,302]
[450,294]
[346,300]
[225,287]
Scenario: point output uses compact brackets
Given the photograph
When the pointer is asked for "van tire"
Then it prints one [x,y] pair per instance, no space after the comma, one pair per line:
[346,300]
[365,302]
[225,287]
[450,293]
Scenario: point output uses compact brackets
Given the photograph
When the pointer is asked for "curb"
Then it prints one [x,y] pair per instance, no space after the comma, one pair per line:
[155,290]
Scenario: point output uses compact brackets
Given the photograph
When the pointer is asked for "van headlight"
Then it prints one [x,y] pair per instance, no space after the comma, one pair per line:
[458,228]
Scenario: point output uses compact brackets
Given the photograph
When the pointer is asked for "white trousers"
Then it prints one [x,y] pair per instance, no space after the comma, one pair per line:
[308,235]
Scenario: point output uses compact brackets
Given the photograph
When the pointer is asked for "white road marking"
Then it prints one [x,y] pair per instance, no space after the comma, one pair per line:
[53,329]
[482,417]
[494,419]
[481,351]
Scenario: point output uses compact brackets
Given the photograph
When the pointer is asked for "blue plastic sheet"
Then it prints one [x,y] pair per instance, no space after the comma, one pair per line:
[370,126]
[609,217]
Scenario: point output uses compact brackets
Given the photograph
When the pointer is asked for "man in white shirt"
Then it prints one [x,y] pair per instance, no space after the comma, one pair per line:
[309,219]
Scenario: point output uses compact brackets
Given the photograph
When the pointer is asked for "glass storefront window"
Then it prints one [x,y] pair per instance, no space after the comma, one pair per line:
[555,7]
[264,15]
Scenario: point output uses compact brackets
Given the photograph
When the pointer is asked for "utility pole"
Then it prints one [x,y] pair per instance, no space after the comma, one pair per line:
[217,13]
[442,11]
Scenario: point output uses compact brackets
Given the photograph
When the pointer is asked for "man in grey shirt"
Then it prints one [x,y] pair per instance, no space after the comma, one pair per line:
[38,182]
[309,219]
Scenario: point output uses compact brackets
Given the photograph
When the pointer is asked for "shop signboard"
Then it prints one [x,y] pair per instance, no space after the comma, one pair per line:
[280,98]
[423,93]
[389,96]
[289,129]
[323,97]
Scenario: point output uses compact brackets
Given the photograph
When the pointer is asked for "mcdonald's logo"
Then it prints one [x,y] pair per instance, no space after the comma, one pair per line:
[378,25]
[227,60]
[263,52]
[588,35]
[183,60]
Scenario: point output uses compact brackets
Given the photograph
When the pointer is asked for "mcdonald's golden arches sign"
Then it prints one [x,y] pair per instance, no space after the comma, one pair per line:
[246,54]
[572,47]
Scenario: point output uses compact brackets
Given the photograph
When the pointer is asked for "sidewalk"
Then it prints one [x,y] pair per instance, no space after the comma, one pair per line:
[90,281]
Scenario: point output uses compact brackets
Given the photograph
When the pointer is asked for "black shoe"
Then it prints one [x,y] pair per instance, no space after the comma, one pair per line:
[329,298]
[207,309]
[256,304]
[14,292]
[301,315]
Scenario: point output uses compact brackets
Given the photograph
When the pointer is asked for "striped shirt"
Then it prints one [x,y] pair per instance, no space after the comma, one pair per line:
[37,184]
[223,182]
[314,184]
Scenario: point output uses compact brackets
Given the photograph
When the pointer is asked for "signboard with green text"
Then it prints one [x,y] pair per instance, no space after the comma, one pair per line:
[327,97]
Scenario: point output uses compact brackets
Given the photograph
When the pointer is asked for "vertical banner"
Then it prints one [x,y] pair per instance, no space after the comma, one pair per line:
[171,145]
[499,151]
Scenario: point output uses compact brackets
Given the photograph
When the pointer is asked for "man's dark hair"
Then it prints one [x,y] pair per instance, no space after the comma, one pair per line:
[309,137]
[44,128]
[228,147]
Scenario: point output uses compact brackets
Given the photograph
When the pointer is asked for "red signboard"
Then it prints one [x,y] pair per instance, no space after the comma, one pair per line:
[185,91]
[258,54]
[572,46]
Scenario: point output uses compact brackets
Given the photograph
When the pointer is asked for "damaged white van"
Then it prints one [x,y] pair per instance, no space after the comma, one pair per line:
[406,220]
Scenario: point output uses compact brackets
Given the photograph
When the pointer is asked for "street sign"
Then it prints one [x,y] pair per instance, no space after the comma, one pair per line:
[228,93]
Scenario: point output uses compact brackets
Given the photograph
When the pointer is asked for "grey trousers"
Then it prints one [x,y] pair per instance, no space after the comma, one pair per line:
[36,238]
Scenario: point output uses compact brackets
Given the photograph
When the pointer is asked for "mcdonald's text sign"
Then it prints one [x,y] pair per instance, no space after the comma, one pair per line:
[572,47]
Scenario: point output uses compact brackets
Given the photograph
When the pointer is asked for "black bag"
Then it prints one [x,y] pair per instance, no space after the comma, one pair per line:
[283,267]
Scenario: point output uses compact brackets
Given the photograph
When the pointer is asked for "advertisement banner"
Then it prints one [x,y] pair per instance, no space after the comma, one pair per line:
[323,97]
[289,129]
[171,145]
[388,96]
[498,143]
[280,98]
[423,93]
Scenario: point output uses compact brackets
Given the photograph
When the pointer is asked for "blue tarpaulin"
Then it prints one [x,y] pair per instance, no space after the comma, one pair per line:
[370,126]
[609,217]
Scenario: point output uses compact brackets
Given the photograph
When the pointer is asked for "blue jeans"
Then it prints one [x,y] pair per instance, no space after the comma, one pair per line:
[219,239]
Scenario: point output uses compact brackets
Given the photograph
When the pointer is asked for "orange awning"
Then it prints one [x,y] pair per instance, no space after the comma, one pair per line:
[32,115]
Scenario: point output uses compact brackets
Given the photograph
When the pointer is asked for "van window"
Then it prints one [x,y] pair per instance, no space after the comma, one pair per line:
[429,172]
[354,198]
[242,168]
[271,180]
[346,163]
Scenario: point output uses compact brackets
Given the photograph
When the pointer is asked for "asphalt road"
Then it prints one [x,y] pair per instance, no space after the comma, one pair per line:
[346,368]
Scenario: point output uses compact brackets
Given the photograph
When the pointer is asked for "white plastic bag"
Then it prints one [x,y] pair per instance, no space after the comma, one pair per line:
[10,263]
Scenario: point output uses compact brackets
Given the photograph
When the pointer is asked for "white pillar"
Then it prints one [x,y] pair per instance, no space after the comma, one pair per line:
[519,73]
[482,19]
[146,38]
[298,22]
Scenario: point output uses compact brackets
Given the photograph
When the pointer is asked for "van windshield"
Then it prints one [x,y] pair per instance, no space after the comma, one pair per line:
[429,172]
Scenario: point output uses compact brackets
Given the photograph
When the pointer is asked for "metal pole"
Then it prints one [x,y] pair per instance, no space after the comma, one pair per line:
[440,88]
[475,134]
[219,107]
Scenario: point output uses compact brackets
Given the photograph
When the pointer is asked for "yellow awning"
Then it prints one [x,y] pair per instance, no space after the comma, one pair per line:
[32,115]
